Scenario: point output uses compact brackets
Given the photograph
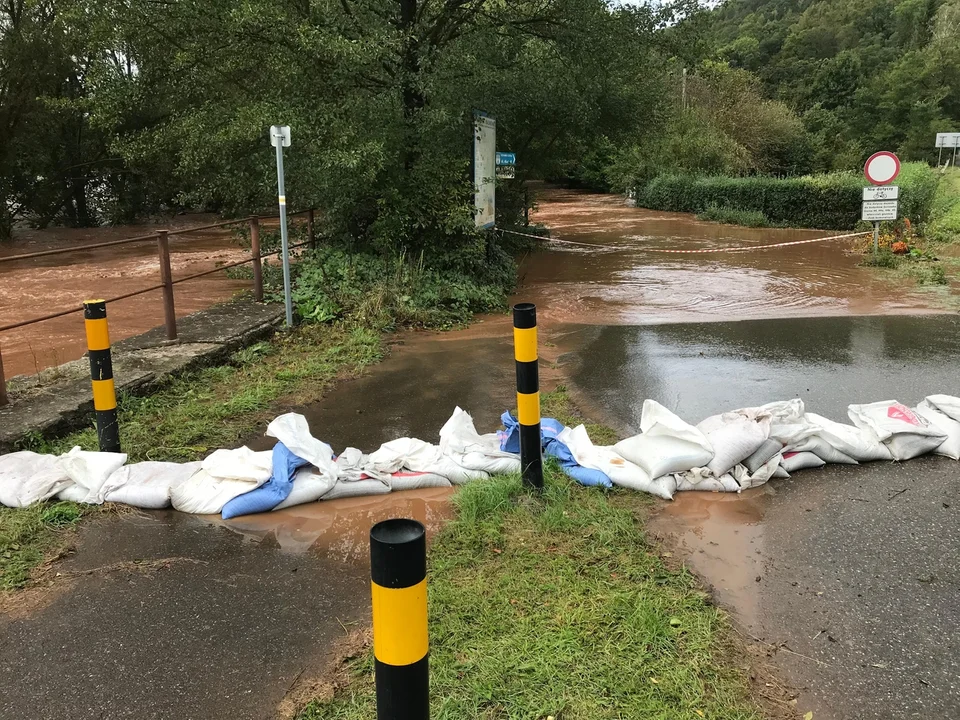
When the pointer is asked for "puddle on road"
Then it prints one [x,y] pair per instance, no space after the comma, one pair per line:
[623,280]
[721,537]
[340,529]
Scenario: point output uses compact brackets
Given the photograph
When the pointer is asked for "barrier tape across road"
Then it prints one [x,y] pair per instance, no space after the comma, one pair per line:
[743,248]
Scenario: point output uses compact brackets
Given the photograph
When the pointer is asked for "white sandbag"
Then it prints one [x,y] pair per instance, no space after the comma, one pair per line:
[621,471]
[147,484]
[293,431]
[782,412]
[854,442]
[747,479]
[734,437]
[703,480]
[944,424]
[905,433]
[88,471]
[667,444]
[206,494]
[357,488]
[780,472]
[460,441]
[947,404]
[762,455]
[823,450]
[28,477]
[417,481]
[352,465]
[794,461]
[309,485]
[240,464]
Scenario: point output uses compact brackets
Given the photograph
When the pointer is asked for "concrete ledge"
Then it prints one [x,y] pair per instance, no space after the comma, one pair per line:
[59,399]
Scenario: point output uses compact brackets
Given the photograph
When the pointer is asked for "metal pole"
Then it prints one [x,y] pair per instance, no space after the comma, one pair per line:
[528,393]
[166,279]
[940,158]
[401,643]
[284,242]
[876,239]
[3,383]
[954,155]
[101,375]
[684,101]
[311,236]
[257,264]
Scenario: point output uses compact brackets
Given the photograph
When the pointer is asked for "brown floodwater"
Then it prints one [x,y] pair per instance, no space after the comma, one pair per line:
[615,274]
[40,286]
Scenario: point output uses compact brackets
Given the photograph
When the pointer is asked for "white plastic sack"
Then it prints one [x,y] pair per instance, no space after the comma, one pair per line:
[147,484]
[621,471]
[794,461]
[905,433]
[460,441]
[854,442]
[309,485]
[947,404]
[759,477]
[734,437]
[206,494]
[357,488]
[88,471]
[762,455]
[240,464]
[703,480]
[417,481]
[293,431]
[823,450]
[352,465]
[422,457]
[667,444]
[944,424]
[27,477]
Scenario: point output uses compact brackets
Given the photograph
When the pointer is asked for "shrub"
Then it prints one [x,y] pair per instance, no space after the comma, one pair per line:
[734,216]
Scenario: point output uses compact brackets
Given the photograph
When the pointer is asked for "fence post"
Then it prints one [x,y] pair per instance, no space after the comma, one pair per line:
[3,383]
[311,236]
[401,645]
[101,375]
[528,393]
[166,278]
[255,253]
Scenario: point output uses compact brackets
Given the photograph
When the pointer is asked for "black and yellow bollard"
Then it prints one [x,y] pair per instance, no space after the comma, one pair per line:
[101,375]
[398,570]
[528,392]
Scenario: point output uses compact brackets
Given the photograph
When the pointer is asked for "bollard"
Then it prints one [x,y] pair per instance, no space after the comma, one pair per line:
[398,570]
[166,279]
[101,375]
[528,393]
[257,264]
[3,383]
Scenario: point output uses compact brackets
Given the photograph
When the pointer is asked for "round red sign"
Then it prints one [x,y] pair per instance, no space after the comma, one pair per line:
[882,168]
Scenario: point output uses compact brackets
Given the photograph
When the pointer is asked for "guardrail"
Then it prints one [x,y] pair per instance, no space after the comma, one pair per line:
[167,283]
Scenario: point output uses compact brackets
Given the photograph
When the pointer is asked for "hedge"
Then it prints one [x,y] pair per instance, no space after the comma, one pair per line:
[830,202]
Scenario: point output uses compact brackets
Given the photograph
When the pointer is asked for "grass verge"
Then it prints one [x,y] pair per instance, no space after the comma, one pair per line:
[27,535]
[556,605]
[733,216]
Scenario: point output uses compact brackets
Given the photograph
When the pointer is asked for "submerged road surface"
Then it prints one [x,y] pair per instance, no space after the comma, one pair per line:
[850,571]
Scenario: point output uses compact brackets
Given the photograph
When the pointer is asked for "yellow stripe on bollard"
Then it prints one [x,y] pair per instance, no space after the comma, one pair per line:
[98,334]
[104,395]
[400,624]
[528,408]
[525,344]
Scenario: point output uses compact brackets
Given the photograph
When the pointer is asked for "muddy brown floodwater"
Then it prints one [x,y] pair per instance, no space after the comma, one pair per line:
[40,286]
[616,274]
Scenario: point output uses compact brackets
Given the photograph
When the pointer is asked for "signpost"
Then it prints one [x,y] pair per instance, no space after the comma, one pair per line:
[506,165]
[881,202]
[948,140]
[484,169]
[280,138]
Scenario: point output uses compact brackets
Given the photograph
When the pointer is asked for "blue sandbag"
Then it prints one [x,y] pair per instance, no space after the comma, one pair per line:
[549,430]
[273,492]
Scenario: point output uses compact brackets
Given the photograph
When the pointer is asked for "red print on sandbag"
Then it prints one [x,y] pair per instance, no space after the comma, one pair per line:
[902,412]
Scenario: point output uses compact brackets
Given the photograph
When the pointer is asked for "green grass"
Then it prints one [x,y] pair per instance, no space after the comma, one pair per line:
[733,216]
[217,406]
[28,534]
[558,606]
[945,225]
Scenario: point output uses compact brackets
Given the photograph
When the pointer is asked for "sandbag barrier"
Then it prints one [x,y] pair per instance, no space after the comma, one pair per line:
[729,452]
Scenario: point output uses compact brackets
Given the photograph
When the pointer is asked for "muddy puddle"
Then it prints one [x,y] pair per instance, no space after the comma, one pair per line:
[40,286]
[339,530]
[615,274]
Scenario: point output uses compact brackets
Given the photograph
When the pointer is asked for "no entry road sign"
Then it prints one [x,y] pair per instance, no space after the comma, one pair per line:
[882,168]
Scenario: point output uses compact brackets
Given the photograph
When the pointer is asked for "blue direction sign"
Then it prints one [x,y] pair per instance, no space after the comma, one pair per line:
[505,158]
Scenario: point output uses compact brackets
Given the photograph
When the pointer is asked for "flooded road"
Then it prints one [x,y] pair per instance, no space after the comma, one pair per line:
[615,274]
[40,286]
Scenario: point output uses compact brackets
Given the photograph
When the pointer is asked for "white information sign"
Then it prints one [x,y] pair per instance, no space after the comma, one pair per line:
[948,140]
[280,134]
[485,169]
[881,192]
[878,210]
